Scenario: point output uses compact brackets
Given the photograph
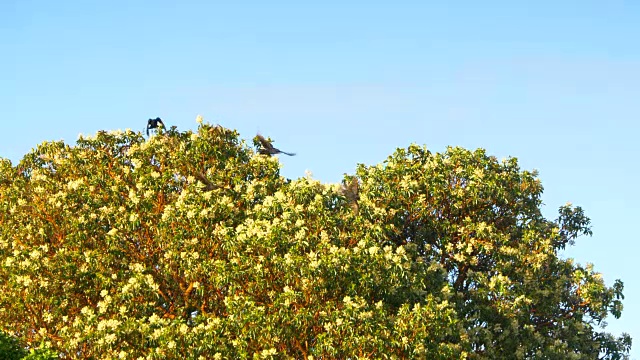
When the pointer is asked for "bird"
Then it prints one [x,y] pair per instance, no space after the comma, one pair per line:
[351,191]
[153,124]
[208,185]
[268,149]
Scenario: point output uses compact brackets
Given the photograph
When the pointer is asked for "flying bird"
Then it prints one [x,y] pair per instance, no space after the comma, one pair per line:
[153,124]
[268,149]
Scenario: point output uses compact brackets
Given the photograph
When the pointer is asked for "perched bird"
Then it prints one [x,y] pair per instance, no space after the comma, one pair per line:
[153,124]
[208,185]
[268,149]
[351,190]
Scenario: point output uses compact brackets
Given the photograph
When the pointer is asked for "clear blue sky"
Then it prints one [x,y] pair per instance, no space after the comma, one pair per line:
[555,84]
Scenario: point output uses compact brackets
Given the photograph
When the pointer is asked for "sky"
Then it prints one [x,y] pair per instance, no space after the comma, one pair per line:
[555,84]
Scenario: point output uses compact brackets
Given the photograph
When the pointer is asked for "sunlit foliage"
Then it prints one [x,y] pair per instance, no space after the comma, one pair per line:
[191,245]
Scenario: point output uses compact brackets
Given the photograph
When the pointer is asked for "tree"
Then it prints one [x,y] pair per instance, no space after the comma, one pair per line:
[192,245]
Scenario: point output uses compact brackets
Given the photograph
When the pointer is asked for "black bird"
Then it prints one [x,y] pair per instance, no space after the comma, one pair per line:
[153,124]
[268,149]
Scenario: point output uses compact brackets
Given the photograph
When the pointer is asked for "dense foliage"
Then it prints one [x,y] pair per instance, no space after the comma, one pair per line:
[191,245]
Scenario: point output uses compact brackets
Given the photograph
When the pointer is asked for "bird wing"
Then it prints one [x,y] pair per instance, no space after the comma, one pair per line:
[149,125]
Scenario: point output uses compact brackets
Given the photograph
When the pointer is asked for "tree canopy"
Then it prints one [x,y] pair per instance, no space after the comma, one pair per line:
[192,245]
